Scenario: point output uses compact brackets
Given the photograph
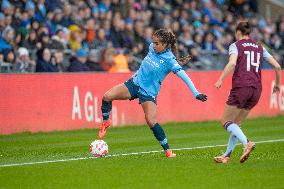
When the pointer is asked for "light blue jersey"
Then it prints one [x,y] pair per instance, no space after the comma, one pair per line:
[154,69]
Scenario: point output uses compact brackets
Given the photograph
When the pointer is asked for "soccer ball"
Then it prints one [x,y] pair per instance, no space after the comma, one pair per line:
[99,148]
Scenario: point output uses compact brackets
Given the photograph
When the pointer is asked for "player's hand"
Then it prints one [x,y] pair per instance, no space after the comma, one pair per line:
[201,97]
[276,88]
[218,84]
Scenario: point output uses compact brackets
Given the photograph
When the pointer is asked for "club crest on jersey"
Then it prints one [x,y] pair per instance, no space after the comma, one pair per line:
[161,61]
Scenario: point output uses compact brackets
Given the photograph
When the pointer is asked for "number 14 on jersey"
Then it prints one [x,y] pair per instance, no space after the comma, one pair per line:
[250,60]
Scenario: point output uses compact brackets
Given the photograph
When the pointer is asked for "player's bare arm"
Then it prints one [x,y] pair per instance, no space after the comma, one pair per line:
[228,68]
[277,69]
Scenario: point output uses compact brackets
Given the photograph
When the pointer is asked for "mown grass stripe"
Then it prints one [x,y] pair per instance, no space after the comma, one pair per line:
[127,154]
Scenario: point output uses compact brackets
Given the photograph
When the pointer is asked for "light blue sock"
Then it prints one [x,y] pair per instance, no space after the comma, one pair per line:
[236,130]
[233,140]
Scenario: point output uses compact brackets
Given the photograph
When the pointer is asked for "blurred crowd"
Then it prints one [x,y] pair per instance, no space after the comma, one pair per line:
[114,35]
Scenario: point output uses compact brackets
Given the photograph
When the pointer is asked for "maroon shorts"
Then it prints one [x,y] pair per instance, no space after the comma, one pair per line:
[244,97]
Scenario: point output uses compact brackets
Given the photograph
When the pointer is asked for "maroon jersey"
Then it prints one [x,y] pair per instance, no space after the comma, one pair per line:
[248,68]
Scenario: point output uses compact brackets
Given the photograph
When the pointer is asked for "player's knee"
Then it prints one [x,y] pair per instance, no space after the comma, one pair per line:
[151,121]
[107,97]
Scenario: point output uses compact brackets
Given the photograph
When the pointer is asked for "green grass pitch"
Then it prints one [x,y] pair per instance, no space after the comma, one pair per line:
[192,168]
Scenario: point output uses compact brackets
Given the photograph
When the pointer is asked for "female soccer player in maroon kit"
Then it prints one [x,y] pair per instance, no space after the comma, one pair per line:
[246,57]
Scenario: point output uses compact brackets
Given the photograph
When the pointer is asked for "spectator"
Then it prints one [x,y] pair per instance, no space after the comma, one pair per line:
[7,8]
[45,41]
[23,63]
[7,24]
[186,39]
[139,32]
[57,40]
[209,42]
[1,58]
[7,42]
[2,23]
[195,62]
[148,35]
[42,29]
[116,33]
[93,61]
[107,27]
[184,17]
[40,11]
[30,8]
[140,41]
[57,59]
[175,27]
[35,25]
[65,38]
[90,29]
[120,63]
[129,35]
[197,38]
[31,41]
[49,23]
[223,43]
[67,19]
[100,42]
[107,56]
[194,12]
[53,4]
[129,24]
[160,9]
[16,17]
[75,37]
[9,56]
[281,31]
[19,38]
[44,63]
[58,18]
[79,64]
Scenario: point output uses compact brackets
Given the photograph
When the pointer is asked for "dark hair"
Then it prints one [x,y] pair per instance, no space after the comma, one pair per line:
[39,53]
[244,27]
[168,37]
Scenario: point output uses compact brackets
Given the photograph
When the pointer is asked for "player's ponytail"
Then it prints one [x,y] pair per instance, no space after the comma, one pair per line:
[169,38]
[174,48]
[244,27]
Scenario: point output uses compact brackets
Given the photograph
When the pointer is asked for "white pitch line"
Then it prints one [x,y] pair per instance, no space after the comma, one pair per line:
[127,154]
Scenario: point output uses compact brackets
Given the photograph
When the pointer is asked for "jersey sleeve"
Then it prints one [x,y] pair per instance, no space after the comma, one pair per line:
[174,65]
[266,55]
[233,49]
[188,82]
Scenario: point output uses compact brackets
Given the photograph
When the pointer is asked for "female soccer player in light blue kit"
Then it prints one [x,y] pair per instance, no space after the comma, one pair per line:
[146,82]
